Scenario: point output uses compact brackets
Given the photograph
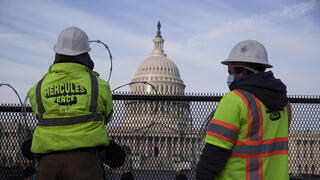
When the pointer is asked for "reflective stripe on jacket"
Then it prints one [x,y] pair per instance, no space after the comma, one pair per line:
[72,106]
[257,138]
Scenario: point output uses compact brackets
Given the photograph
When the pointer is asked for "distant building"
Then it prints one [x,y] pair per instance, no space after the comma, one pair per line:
[11,134]
[304,152]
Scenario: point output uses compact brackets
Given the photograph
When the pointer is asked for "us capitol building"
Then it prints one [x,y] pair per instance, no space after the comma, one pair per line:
[157,133]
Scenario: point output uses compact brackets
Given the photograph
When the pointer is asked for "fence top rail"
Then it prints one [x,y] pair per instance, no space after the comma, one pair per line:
[202,97]
[146,97]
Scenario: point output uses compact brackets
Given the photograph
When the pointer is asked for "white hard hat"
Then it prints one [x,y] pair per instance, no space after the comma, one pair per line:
[248,51]
[72,41]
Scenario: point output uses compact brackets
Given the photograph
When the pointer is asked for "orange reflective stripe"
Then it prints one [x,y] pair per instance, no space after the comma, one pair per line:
[261,117]
[209,133]
[260,168]
[247,169]
[263,148]
[221,128]
[252,172]
[267,141]
[227,125]
[249,112]
[254,127]
[262,155]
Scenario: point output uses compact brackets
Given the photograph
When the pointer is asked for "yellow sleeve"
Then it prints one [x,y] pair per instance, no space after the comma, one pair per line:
[105,99]
[109,111]
[33,101]
[223,129]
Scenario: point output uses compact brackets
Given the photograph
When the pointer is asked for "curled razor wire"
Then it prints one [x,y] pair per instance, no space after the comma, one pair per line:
[110,55]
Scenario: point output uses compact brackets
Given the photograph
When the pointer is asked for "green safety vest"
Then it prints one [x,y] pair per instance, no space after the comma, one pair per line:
[257,138]
[72,105]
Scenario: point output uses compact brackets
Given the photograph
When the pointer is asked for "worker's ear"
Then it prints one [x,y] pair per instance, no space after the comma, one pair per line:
[242,73]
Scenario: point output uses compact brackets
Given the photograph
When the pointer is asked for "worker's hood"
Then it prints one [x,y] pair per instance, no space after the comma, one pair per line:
[83,59]
[271,91]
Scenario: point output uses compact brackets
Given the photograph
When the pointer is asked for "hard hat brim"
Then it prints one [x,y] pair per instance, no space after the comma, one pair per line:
[228,62]
[68,52]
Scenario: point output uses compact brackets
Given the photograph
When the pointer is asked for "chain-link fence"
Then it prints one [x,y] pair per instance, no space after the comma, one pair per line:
[163,135]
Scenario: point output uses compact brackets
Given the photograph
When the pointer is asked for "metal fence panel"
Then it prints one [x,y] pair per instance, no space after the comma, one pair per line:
[163,135]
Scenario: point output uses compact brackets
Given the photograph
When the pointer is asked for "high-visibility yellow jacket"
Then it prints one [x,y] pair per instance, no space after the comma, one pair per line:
[72,105]
[258,139]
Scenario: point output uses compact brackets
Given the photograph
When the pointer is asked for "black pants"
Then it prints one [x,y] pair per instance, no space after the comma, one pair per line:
[68,165]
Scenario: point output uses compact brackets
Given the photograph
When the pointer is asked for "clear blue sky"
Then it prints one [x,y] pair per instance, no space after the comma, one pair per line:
[198,35]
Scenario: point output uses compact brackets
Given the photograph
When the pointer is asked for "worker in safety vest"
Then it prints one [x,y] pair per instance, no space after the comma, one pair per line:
[72,105]
[247,137]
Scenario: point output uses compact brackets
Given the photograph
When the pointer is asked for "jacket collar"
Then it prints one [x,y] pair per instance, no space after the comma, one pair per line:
[69,68]
[271,91]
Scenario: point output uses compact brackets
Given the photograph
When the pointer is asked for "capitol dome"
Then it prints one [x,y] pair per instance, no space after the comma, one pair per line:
[159,71]
[154,129]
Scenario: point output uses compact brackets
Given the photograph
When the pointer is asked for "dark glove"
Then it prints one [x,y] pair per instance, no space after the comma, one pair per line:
[113,155]
[127,176]
[181,177]
[29,171]
[26,149]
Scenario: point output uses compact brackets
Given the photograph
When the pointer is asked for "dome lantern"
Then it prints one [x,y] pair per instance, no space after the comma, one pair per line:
[158,43]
